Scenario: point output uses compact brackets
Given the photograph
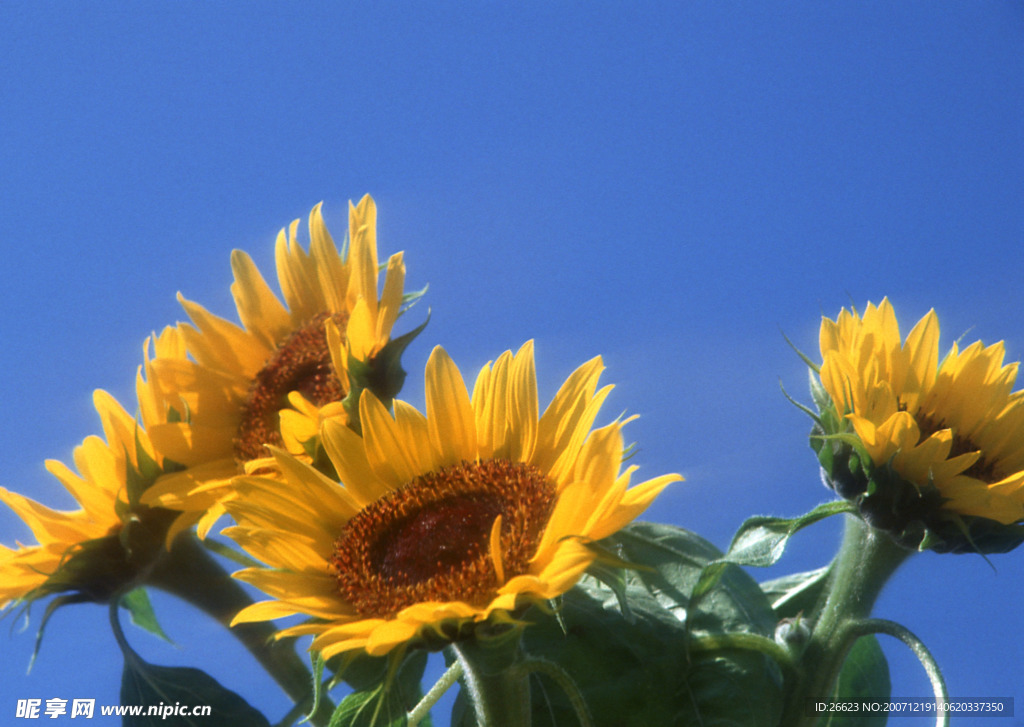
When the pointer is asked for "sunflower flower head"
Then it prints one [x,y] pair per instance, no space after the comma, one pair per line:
[224,395]
[442,521]
[103,546]
[931,450]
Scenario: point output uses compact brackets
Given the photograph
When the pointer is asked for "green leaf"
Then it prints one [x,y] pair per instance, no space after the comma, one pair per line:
[175,691]
[360,671]
[611,570]
[317,663]
[790,595]
[761,541]
[165,689]
[138,604]
[624,640]
[864,678]
[381,699]
[636,674]
[359,708]
[672,561]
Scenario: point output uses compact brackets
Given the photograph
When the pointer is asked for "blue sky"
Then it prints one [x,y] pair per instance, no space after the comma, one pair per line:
[669,185]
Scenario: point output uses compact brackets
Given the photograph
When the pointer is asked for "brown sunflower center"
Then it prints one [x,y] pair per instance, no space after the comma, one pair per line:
[430,540]
[301,363]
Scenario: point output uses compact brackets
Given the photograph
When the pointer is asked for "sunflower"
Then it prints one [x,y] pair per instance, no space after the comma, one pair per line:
[221,395]
[952,427]
[86,550]
[439,521]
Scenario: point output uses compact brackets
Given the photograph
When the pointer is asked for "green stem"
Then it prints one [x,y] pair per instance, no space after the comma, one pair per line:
[443,684]
[931,667]
[115,625]
[190,573]
[498,686]
[750,642]
[294,714]
[866,560]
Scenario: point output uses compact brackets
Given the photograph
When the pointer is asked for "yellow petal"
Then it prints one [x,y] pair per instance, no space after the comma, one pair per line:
[922,346]
[601,458]
[391,297]
[222,344]
[388,635]
[346,450]
[415,436]
[332,274]
[195,444]
[362,256]
[563,417]
[385,445]
[495,549]
[490,401]
[51,525]
[522,406]
[361,333]
[259,309]
[119,428]
[450,419]
[634,501]
[561,572]
[297,277]
[88,495]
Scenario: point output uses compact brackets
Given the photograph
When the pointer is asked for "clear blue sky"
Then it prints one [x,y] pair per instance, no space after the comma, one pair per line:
[669,185]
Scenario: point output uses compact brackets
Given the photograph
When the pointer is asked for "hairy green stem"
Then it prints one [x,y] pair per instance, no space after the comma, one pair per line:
[881,626]
[442,685]
[498,687]
[866,560]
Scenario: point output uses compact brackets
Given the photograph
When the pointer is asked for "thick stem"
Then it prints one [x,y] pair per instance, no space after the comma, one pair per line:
[498,686]
[866,560]
[190,573]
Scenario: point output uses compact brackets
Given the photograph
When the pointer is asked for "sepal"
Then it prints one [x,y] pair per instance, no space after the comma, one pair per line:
[99,568]
[382,375]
